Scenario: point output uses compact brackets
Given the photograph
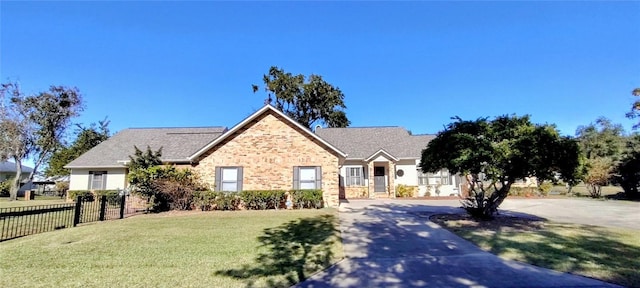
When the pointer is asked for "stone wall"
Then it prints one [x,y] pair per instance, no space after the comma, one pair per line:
[268,149]
[354,192]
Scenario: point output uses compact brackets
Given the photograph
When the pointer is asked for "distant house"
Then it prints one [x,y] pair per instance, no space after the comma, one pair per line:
[8,171]
[267,151]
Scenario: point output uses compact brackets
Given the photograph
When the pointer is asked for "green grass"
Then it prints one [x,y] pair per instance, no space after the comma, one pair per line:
[198,249]
[581,190]
[609,254]
[39,200]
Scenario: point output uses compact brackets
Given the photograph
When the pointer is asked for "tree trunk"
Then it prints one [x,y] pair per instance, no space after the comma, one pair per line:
[13,192]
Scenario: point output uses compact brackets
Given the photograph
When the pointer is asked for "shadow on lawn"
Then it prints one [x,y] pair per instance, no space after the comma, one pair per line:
[294,250]
[571,252]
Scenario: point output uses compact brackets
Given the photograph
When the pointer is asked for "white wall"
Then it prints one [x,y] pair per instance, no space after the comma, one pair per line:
[410,176]
[116,178]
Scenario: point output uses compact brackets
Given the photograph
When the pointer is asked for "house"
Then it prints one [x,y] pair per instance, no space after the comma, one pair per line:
[380,158]
[268,151]
[8,171]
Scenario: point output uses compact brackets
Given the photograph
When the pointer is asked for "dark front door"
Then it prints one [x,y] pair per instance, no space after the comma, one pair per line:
[378,179]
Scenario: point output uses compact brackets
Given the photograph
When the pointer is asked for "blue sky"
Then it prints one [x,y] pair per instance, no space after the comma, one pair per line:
[410,64]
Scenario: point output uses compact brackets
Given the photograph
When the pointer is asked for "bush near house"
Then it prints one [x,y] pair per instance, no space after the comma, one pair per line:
[307,198]
[405,190]
[86,195]
[5,186]
[263,199]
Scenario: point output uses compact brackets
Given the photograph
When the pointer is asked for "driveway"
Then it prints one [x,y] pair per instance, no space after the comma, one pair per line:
[393,244]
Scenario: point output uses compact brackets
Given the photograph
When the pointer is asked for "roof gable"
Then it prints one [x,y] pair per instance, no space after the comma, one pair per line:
[363,142]
[266,109]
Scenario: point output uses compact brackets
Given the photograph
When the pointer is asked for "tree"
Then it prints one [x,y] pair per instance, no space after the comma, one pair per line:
[635,108]
[311,102]
[602,144]
[33,126]
[87,138]
[492,155]
[628,170]
[165,187]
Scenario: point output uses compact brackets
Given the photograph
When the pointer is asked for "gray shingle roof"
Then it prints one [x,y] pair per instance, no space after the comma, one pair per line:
[177,144]
[360,143]
[7,167]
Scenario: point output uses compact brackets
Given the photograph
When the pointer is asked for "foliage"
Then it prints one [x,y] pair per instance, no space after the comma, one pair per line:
[635,108]
[602,146]
[494,154]
[87,138]
[227,201]
[307,198]
[263,199]
[405,191]
[85,195]
[598,174]
[307,102]
[204,200]
[165,187]
[112,196]
[33,126]
[62,187]
[628,169]
[5,187]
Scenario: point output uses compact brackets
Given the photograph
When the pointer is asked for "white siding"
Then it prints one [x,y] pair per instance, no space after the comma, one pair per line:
[409,169]
[116,178]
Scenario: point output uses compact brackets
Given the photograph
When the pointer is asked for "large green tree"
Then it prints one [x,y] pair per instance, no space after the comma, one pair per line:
[87,138]
[602,144]
[33,126]
[493,154]
[308,102]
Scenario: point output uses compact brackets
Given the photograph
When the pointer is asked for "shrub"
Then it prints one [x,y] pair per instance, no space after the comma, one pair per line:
[545,188]
[307,198]
[227,201]
[405,191]
[205,200]
[5,186]
[173,195]
[62,187]
[85,195]
[113,196]
[263,199]
[166,187]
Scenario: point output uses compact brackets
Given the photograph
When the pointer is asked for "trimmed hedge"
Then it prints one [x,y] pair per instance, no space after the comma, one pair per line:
[86,195]
[307,199]
[263,199]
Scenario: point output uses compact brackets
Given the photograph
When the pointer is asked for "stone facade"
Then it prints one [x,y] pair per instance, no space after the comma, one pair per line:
[355,192]
[268,149]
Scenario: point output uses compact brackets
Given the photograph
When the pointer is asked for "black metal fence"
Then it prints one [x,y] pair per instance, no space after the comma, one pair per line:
[22,221]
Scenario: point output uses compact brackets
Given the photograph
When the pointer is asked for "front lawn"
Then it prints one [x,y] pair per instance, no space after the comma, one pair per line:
[178,249]
[39,200]
[609,254]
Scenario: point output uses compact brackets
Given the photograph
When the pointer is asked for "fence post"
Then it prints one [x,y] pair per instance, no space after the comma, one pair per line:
[103,206]
[76,212]
[122,203]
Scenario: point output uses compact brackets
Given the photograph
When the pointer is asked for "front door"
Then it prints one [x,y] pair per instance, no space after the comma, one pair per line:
[378,179]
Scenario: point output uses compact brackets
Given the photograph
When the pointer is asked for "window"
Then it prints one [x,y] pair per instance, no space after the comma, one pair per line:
[422,178]
[307,177]
[442,177]
[354,176]
[228,179]
[97,180]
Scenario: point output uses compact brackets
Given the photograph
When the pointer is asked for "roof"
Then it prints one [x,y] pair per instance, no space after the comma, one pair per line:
[364,142]
[10,167]
[177,145]
[265,109]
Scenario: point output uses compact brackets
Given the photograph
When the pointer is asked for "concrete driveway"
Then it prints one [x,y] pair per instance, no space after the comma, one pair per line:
[393,244]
